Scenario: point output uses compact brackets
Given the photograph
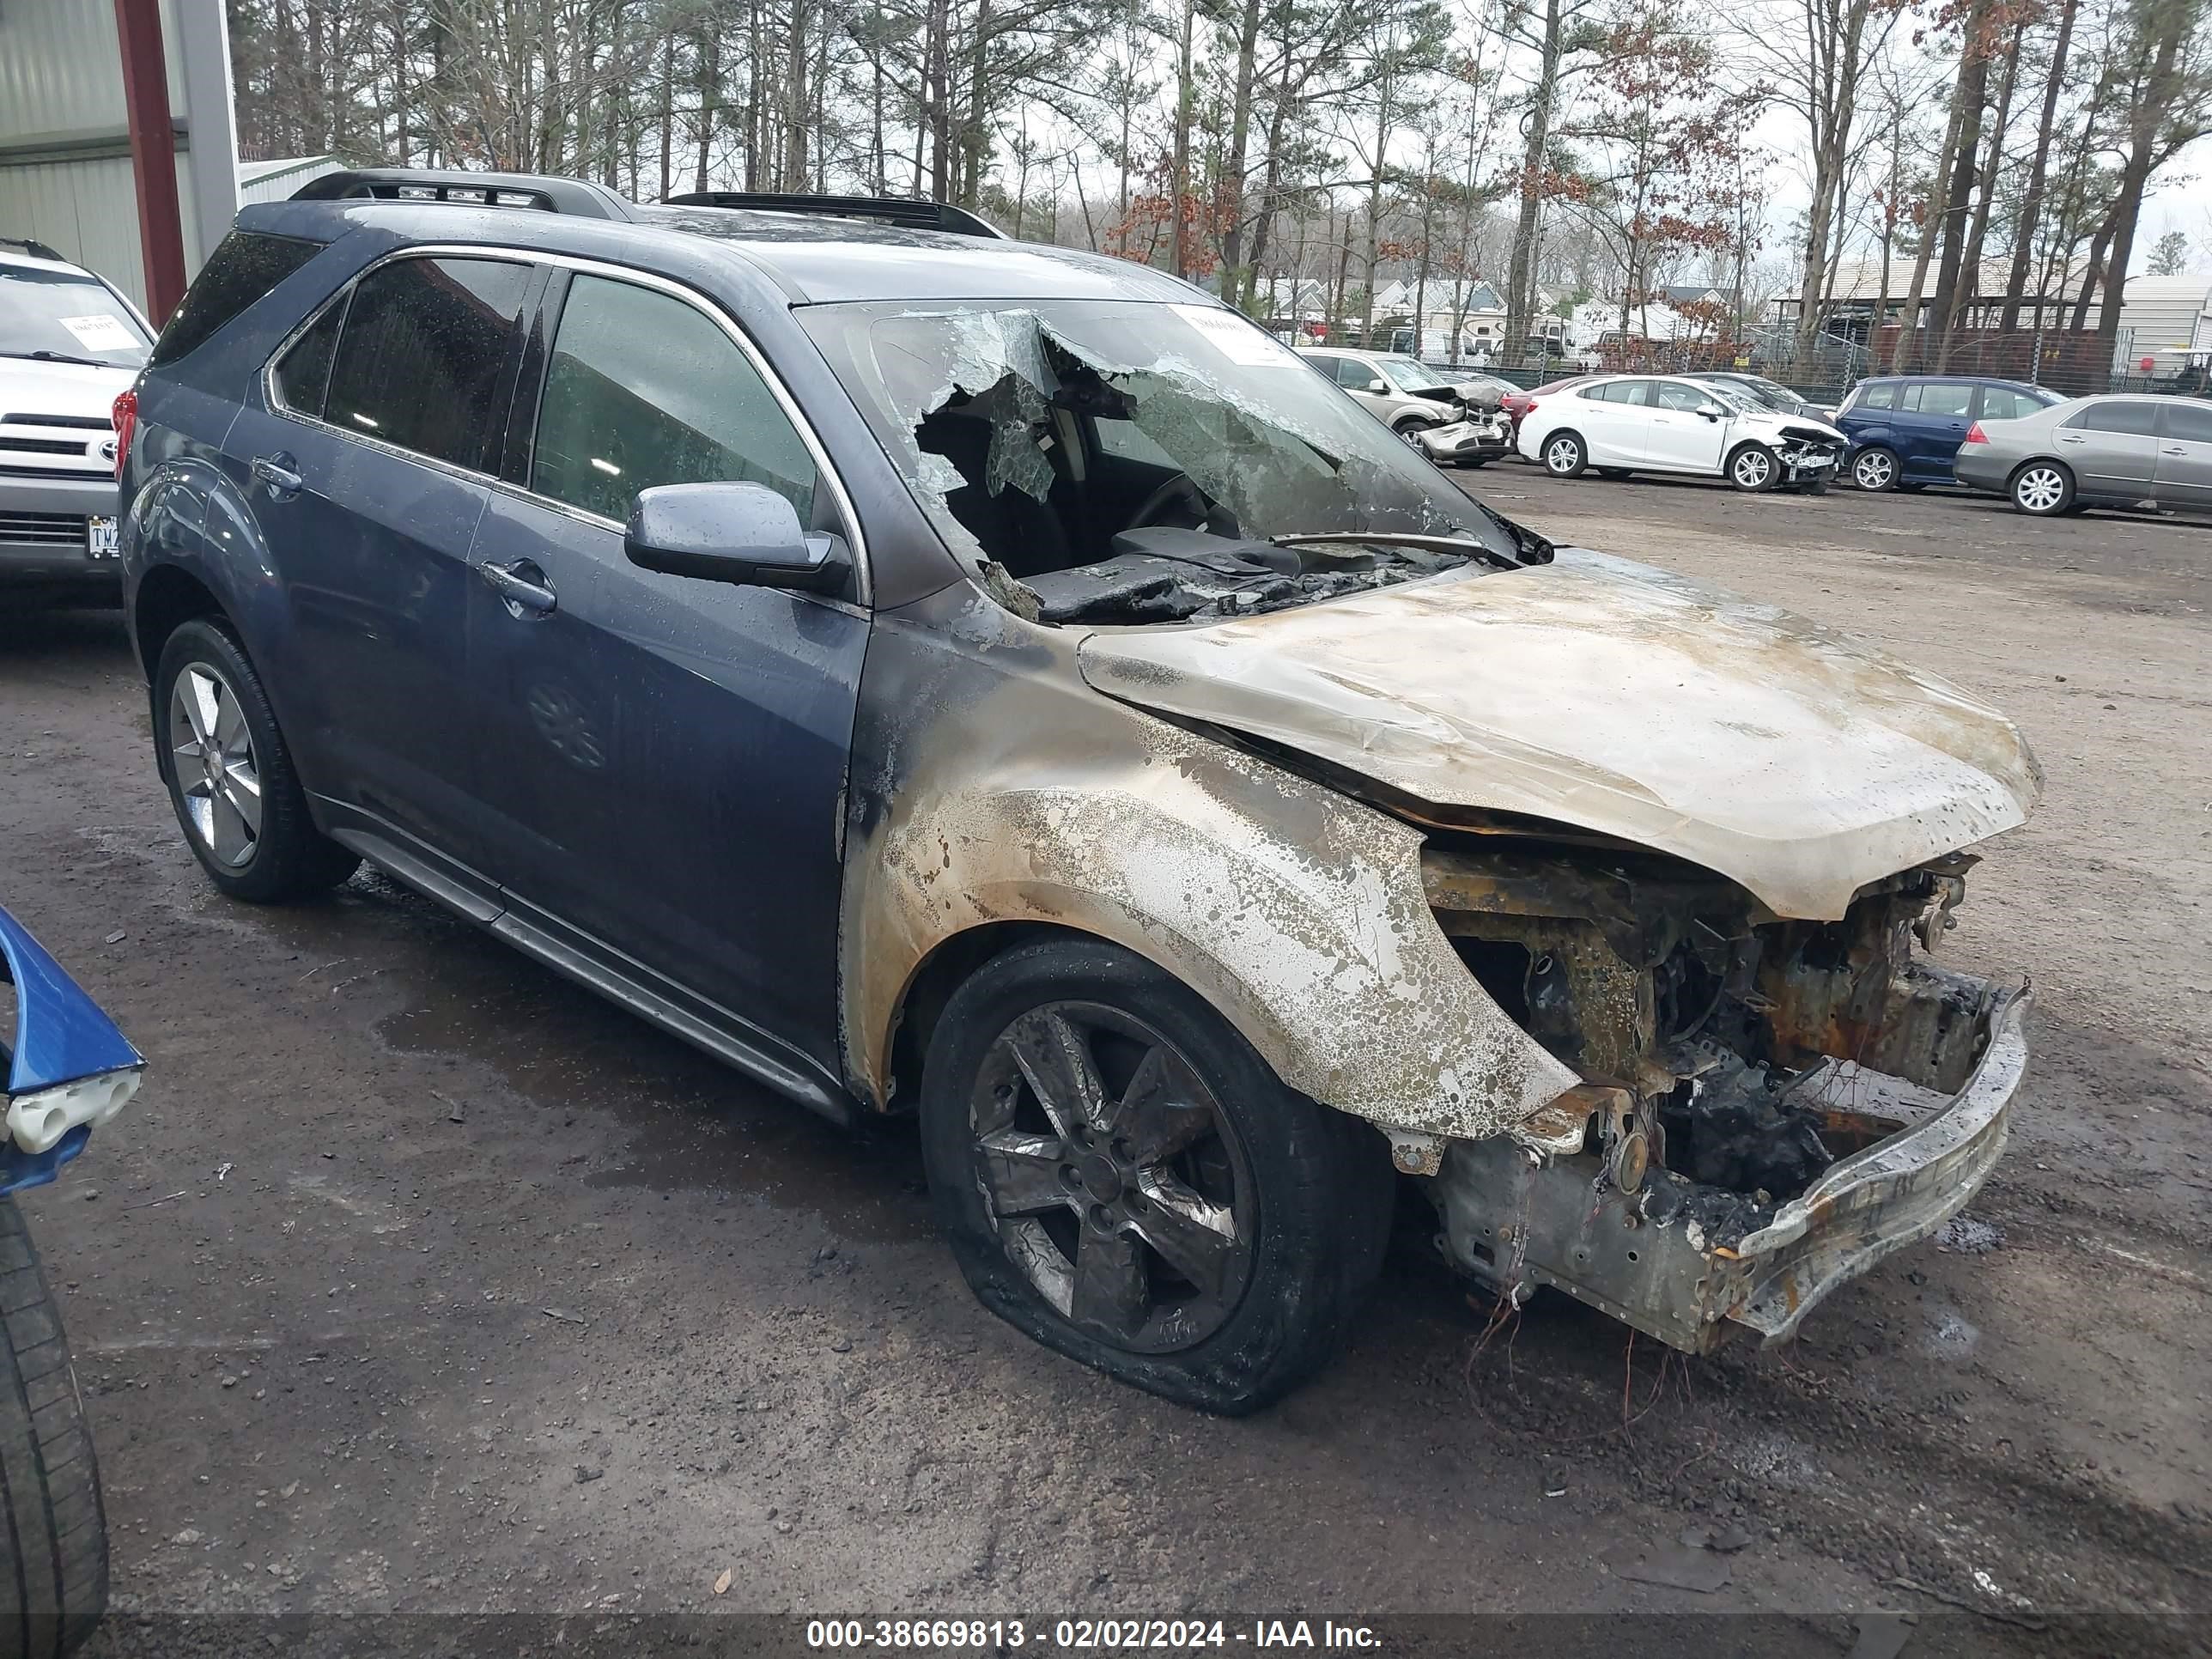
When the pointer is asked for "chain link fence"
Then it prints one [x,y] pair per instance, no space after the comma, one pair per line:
[2076,362]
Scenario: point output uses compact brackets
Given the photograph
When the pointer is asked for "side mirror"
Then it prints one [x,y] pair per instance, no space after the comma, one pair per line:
[1711,411]
[745,533]
[1378,383]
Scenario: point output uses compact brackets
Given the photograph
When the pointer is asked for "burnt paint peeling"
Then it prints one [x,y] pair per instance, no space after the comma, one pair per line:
[991,785]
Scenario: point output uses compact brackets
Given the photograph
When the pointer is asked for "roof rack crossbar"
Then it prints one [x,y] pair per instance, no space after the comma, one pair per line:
[35,248]
[911,213]
[546,194]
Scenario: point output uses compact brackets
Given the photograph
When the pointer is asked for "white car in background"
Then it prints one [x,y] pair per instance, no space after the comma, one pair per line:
[1616,424]
[68,344]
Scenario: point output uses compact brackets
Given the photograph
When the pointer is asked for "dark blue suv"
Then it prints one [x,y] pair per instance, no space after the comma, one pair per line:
[1905,429]
[937,673]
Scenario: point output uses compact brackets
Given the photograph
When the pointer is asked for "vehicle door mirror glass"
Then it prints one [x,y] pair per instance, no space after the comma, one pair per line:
[745,533]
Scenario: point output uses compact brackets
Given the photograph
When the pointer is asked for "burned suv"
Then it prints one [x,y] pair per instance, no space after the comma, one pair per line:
[939,674]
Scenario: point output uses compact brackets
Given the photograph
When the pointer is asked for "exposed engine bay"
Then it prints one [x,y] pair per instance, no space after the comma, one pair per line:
[1807,450]
[1735,1060]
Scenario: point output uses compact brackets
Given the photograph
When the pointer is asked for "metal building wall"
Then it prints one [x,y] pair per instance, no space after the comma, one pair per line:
[66,176]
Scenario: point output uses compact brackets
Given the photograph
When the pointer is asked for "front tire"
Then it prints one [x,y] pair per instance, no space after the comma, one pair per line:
[53,1575]
[1754,468]
[1409,434]
[2042,489]
[230,776]
[1565,456]
[1123,1178]
[1875,469]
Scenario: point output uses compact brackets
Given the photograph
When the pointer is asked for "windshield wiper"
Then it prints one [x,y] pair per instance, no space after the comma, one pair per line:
[1528,549]
[43,355]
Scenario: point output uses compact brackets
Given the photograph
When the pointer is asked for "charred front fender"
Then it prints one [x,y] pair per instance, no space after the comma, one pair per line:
[991,785]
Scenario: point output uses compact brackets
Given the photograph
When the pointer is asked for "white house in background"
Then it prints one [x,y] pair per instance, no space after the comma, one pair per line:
[275,181]
[2167,319]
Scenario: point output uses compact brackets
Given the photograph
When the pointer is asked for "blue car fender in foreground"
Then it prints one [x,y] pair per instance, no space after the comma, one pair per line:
[69,1068]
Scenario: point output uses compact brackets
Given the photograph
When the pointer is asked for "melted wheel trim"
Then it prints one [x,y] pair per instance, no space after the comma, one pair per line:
[1112,1178]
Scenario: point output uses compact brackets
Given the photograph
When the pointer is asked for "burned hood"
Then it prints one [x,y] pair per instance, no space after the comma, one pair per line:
[1603,694]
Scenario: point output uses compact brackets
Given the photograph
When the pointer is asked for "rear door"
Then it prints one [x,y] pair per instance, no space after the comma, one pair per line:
[368,475]
[1932,417]
[2112,447]
[1611,421]
[2184,472]
[665,754]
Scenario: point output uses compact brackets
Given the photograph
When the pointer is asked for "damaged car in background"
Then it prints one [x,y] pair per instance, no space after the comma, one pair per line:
[1213,823]
[1453,422]
[1616,424]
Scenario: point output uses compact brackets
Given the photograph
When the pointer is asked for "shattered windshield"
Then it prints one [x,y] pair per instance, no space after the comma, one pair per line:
[1106,461]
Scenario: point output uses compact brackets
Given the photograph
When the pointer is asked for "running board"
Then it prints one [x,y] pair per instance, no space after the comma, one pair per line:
[617,987]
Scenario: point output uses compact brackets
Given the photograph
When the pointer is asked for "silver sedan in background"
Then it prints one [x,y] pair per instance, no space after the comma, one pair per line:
[2116,451]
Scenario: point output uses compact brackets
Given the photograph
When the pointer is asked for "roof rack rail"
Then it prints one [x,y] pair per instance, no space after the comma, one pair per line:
[579,197]
[37,250]
[912,213]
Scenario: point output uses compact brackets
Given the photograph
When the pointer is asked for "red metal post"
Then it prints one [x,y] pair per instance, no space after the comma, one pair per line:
[153,154]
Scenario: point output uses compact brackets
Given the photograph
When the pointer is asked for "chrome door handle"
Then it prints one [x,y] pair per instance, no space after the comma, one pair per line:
[277,472]
[522,585]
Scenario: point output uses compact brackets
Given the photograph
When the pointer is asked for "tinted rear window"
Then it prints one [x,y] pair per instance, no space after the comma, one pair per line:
[245,266]
[423,362]
[2191,423]
[1879,396]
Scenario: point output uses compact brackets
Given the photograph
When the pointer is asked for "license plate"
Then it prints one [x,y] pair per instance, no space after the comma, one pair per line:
[99,538]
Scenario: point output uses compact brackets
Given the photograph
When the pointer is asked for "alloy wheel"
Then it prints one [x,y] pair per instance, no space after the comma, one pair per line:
[1561,455]
[1875,470]
[2039,490]
[1752,468]
[211,753]
[1112,1177]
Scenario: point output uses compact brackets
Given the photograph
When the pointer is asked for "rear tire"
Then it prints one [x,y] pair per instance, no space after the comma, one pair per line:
[1565,455]
[2042,489]
[237,796]
[53,1575]
[1237,1224]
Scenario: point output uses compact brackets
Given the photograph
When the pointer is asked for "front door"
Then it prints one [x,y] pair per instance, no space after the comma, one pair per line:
[1680,438]
[367,477]
[2185,454]
[2112,447]
[667,755]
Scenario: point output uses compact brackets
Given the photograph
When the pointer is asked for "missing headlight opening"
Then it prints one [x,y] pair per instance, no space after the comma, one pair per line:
[1154,464]
[1741,1065]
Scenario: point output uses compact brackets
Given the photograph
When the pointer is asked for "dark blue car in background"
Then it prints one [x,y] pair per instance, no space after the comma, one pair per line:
[1904,428]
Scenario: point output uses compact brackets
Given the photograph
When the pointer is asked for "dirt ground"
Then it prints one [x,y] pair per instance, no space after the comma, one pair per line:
[418,1278]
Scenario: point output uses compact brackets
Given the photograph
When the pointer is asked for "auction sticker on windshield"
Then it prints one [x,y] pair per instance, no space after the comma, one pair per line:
[101,333]
[1235,339]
